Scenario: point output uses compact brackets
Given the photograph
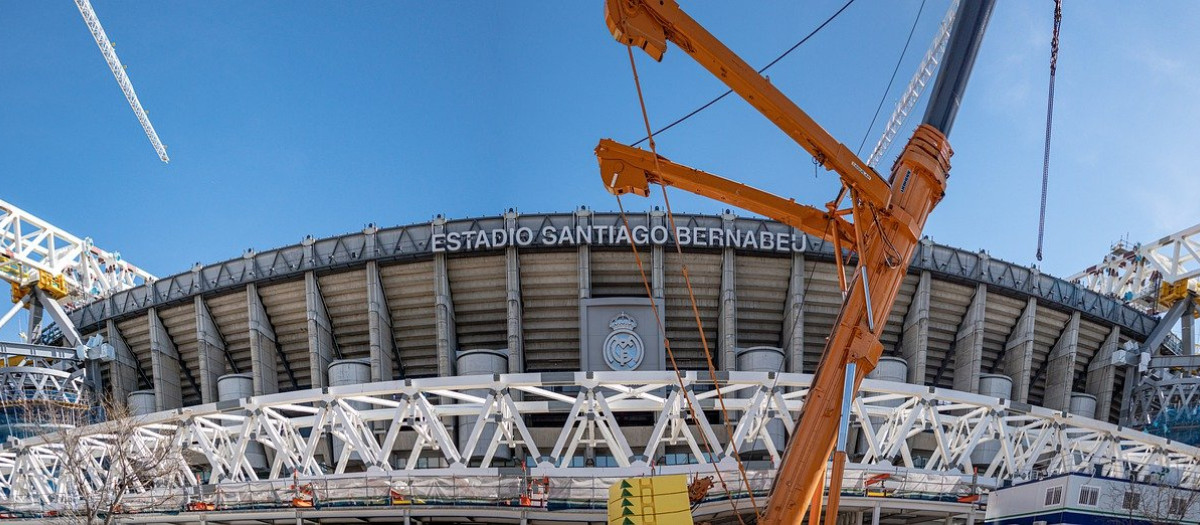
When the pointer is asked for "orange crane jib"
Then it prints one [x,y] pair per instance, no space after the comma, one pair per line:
[888,218]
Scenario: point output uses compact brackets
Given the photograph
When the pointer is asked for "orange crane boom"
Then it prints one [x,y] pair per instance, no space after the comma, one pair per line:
[888,218]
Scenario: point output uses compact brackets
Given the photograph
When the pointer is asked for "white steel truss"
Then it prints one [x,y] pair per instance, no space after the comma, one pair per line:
[29,245]
[399,436]
[1134,272]
[118,71]
[916,86]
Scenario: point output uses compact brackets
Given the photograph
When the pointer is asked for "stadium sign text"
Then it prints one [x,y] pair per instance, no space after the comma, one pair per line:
[473,240]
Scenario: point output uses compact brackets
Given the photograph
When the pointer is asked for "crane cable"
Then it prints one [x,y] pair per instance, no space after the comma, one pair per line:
[745,479]
[1049,124]
[895,70]
[760,71]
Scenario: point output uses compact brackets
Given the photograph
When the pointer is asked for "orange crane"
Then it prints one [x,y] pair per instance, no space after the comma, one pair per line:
[881,221]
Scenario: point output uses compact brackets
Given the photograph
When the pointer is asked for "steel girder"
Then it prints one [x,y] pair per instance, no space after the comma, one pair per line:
[383,428]
[1134,271]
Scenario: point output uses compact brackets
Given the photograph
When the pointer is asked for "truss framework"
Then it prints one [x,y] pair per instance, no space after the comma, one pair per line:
[382,429]
[1135,272]
[29,245]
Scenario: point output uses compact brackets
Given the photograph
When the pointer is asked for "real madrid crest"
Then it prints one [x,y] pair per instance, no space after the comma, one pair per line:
[623,349]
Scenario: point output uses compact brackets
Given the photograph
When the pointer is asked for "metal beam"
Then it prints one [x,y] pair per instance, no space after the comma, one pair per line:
[39,351]
[968,344]
[385,358]
[321,344]
[914,337]
[60,317]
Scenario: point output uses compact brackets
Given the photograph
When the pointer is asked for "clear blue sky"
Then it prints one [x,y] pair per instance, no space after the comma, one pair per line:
[297,118]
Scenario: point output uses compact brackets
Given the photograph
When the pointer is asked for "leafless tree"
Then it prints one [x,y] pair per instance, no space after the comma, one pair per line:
[1156,500]
[105,469]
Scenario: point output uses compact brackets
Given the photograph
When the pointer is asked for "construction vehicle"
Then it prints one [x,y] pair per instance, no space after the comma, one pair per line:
[880,219]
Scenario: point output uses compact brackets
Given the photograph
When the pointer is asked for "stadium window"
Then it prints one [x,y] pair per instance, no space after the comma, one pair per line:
[1132,501]
[1179,506]
[1089,496]
[1053,496]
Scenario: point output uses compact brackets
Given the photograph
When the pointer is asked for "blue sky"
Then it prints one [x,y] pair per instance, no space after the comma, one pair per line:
[298,118]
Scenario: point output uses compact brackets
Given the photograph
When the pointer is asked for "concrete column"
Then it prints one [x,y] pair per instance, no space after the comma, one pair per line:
[727,328]
[583,216]
[658,262]
[320,332]
[512,263]
[1018,352]
[1060,366]
[164,366]
[447,338]
[915,334]
[1102,374]
[379,322]
[122,371]
[792,339]
[968,345]
[211,347]
[262,345]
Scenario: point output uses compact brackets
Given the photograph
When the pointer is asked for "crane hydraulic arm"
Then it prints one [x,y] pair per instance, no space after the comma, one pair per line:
[888,217]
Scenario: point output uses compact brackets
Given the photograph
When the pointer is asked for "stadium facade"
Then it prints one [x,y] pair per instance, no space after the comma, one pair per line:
[508,368]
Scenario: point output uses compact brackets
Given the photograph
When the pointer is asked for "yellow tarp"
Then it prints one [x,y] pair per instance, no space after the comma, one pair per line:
[650,500]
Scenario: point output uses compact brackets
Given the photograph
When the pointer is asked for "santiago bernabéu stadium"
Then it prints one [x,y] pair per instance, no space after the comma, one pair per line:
[508,369]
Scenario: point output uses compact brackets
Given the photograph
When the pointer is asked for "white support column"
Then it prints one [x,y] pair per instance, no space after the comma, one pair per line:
[1102,374]
[583,216]
[516,339]
[1018,352]
[122,371]
[165,367]
[968,345]
[447,338]
[211,347]
[658,262]
[379,322]
[320,332]
[263,365]
[1060,366]
[915,334]
[727,328]
[792,338]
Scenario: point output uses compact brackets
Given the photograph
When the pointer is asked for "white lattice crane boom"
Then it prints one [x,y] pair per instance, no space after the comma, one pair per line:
[1141,273]
[916,86]
[34,251]
[118,71]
